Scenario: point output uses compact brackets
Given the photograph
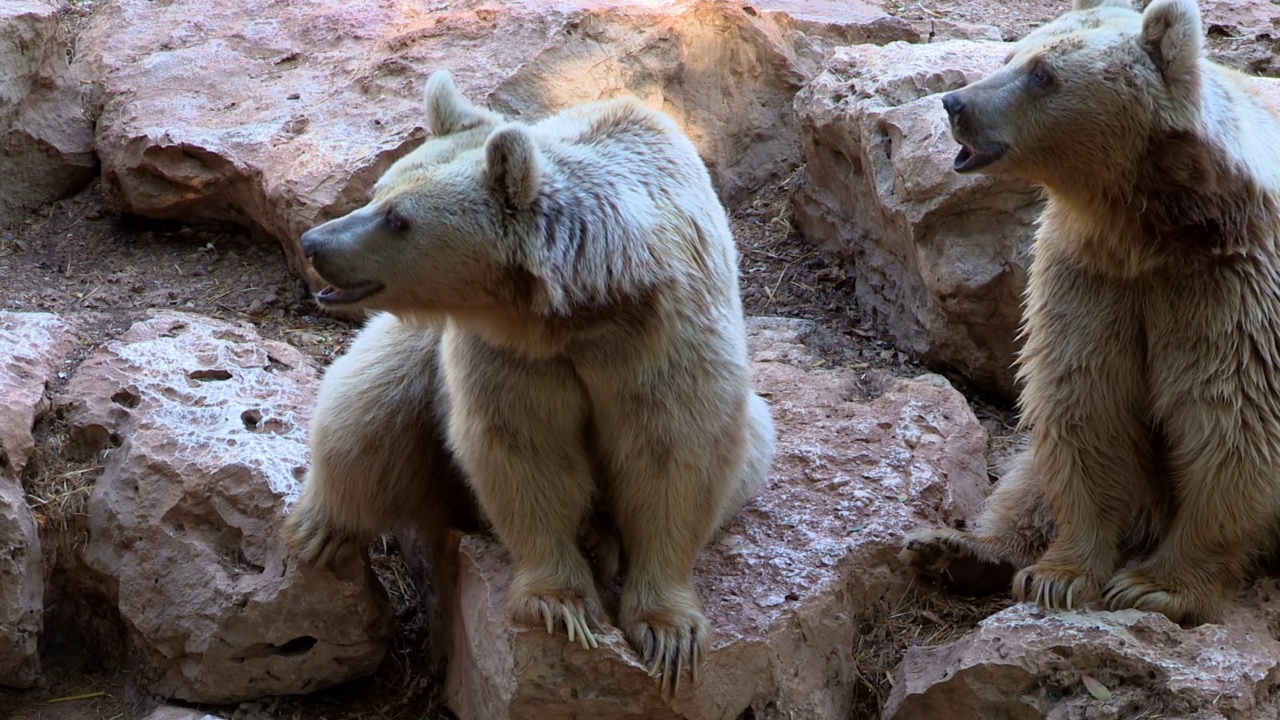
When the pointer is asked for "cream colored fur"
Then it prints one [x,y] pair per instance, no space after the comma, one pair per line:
[565,302]
[1151,364]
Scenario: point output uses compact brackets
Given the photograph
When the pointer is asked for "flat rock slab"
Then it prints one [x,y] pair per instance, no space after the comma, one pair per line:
[33,350]
[45,136]
[205,427]
[782,586]
[278,115]
[1026,663]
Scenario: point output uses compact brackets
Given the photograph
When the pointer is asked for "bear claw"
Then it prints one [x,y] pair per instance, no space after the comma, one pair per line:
[1054,588]
[577,613]
[1140,589]
[667,647]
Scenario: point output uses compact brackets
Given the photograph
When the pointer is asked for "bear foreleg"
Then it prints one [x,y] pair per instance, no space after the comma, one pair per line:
[519,428]
[1086,401]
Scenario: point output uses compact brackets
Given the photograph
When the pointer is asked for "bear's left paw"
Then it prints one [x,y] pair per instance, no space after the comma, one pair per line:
[316,539]
[1143,588]
[668,641]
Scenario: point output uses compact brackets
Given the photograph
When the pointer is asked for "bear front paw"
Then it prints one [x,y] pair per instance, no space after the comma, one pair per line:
[1056,586]
[1143,588]
[669,641]
[571,609]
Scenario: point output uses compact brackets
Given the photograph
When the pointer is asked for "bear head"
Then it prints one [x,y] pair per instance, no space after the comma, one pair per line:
[433,237]
[1079,100]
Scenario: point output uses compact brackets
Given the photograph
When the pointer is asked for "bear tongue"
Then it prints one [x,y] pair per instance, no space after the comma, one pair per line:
[330,295]
[963,158]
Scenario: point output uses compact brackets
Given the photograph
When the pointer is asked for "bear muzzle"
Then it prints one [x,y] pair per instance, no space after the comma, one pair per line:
[974,154]
[316,247]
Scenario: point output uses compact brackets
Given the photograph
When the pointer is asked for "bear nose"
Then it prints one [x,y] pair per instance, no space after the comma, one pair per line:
[309,245]
[953,104]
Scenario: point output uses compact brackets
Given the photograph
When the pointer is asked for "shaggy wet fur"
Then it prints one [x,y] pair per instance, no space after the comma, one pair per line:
[568,337]
[1151,363]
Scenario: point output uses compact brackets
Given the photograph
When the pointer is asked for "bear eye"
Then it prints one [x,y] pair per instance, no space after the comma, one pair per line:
[1041,77]
[395,220]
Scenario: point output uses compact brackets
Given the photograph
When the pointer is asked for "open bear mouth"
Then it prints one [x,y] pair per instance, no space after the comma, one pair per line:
[970,158]
[331,295]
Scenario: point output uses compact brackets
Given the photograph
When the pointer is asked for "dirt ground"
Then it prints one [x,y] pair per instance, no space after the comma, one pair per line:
[78,257]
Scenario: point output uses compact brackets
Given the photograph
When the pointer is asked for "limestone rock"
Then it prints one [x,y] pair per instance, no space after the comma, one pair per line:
[21,590]
[1244,34]
[784,584]
[939,258]
[32,349]
[205,425]
[45,137]
[280,115]
[1025,663]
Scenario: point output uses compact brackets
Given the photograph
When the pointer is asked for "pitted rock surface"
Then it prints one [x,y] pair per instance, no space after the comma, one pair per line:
[205,424]
[279,115]
[45,136]
[939,258]
[783,585]
[1026,663]
[33,348]
[33,351]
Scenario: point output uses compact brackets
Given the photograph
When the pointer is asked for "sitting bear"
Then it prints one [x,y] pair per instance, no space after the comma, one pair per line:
[1151,358]
[563,340]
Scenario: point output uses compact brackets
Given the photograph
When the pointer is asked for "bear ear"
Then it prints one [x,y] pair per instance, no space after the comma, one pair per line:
[513,165]
[1091,4]
[1172,35]
[447,111]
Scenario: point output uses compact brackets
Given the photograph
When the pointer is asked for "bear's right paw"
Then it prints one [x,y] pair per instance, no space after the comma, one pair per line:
[576,612]
[1056,585]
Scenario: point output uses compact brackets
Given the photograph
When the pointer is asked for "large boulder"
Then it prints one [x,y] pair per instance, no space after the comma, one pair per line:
[783,585]
[205,429]
[277,115]
[33,347]
[46,139]
[939,259]
[1025,663]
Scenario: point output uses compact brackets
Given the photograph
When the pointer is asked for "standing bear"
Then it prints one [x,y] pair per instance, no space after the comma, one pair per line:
[562,338]
[1151,358]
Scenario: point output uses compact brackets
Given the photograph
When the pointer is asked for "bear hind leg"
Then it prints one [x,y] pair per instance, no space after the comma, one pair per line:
[1013,529]
[376,460]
